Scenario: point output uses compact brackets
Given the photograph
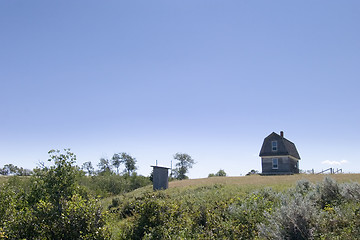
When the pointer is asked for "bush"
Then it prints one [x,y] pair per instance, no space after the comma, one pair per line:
[224,212]
[54,206]
[112,184]
[328,193]
[293,220]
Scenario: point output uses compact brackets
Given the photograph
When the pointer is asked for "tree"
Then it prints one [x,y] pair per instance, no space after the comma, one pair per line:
[221,173]
[129,161]
[185,162]
[4,171]
[126,159]
[104,166]
[252,172]
[88,167]
[116,161]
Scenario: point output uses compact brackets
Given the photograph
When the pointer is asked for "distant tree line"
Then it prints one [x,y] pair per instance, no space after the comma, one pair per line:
[10,169]
[121,164]
[220,173]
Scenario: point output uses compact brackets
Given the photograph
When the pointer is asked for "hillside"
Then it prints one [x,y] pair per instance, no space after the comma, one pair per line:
[264,181]
[251,207]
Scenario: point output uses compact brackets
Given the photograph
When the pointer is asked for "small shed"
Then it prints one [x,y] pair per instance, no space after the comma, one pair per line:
[160,177]
[279,155]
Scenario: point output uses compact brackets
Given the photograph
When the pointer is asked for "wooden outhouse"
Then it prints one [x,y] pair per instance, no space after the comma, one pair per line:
[160,178]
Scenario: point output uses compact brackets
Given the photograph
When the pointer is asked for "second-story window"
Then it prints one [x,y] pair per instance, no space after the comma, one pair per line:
[274,146]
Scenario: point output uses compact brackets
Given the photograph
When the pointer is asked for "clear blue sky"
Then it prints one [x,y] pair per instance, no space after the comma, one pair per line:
[207,78]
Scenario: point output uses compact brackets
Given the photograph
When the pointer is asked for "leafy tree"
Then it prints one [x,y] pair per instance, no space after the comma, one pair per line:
[252,172]
[4,171]
[116,161]
[104,166]
[185,162]
[10,169]
[88,167]
[221,173]
[126,159]
[129,161]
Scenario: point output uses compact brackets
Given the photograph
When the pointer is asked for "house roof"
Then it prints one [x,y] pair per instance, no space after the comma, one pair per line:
[284,147]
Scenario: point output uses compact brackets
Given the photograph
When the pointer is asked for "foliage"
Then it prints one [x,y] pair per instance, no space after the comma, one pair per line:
[104,167]
[252,172]
[126,159]
[88,167]
[10,169]
[326,210]
[52,205]
[185,162]
[220,173]
[112,184]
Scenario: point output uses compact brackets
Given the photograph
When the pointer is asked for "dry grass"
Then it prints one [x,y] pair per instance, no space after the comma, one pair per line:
[263,181]
[3,179]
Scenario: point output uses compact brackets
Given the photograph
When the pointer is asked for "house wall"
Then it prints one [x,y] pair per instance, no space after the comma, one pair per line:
[286,165]
[294,165]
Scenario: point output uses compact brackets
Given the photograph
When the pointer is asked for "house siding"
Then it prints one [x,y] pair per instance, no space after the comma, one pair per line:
[286,165]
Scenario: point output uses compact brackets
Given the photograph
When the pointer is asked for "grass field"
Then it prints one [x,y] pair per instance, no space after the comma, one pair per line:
[240,185]
[3,179]
[264,181]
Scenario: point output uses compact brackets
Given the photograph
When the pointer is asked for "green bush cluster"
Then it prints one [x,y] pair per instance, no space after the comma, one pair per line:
[50,205]
[111,184]
[212,212]
[326,210]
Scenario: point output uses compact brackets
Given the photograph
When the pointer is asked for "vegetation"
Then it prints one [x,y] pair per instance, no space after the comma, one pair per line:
[50,205]
[109,184]
[306,210]
[185,162]
[220,173]
[127,160]
[252,172]
[64,202]
[10,169]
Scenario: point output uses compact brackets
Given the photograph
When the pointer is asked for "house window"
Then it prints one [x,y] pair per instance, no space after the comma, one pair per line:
[274,146]
[274,163]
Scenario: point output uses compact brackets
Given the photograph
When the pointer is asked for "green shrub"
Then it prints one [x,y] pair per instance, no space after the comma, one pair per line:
[53,207]
[292,220]
[112,184]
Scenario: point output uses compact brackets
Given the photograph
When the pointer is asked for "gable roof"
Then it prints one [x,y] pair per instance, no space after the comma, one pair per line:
[284,147]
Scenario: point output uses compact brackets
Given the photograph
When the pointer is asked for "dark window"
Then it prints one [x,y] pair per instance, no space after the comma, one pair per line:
[274,146]
[275,163]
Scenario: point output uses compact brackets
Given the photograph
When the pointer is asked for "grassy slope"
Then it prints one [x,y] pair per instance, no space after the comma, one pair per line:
[240,185]
[3,179]
[264,181]
[209,191]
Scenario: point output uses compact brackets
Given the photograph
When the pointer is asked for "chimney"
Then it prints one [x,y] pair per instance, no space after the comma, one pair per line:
[282,134]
